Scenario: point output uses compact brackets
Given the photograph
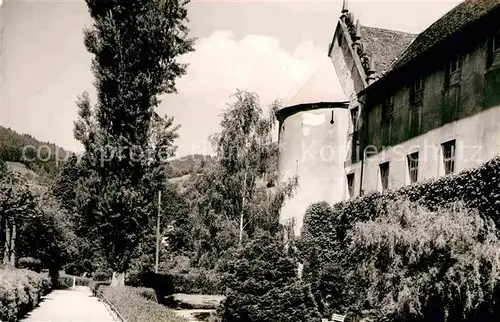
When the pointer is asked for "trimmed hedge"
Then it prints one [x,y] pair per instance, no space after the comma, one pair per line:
[135,305]
[325,229]
[194,282]
[197,282]
[477,188]
[30,263]
[20,291]
[66,281]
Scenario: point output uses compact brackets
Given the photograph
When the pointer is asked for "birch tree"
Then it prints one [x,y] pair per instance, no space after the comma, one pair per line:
[243,148]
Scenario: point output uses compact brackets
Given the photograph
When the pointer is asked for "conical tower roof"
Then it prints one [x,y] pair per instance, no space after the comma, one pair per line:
[322,87]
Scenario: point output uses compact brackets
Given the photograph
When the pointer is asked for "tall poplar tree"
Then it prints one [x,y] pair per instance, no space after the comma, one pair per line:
[135,47]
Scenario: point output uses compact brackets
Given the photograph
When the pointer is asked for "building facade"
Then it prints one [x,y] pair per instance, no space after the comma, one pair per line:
[313,133]
[419,106]
[433,109]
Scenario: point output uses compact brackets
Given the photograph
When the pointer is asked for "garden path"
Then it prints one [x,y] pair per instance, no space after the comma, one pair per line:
[76,305]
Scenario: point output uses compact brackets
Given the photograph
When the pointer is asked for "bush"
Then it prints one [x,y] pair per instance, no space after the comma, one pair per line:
[96,287]
[20,291]
[147,293]
[412,264]
[66,281]
[161,283]
[134,279]
[197,282]
[325,233]
[133,306]
[30,263]
[263,286]
[102,275]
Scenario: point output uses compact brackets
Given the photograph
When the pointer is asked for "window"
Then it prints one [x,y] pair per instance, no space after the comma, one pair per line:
[413,167]
[384,175]
[354,119]
[493,57]
[418,89]
[389,101]
[449,157]
[496,42]
[415,119]
[388,109]
[453,70]
[350,184]
[419,83]
[455,64]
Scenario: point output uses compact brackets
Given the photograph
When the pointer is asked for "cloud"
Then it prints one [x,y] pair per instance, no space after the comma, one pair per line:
[221,64]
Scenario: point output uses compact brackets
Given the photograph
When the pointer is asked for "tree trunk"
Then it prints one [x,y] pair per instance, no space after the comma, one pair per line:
[6,247]
[13,236]
[9,258]
[243,206]
[118,279]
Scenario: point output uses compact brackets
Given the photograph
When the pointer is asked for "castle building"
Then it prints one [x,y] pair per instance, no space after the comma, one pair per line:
[313,135]
[419,106]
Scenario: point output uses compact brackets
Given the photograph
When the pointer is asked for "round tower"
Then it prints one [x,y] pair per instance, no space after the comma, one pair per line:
[313,144]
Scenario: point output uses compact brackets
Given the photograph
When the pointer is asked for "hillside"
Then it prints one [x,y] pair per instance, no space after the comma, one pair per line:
[45,163]
[182,166]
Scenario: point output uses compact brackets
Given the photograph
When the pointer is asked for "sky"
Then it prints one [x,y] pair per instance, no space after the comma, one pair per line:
[268,47]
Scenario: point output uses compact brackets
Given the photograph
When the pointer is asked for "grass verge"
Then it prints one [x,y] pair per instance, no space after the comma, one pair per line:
[136,304]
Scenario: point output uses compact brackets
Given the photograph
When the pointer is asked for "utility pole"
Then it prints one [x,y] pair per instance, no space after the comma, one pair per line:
[158,233]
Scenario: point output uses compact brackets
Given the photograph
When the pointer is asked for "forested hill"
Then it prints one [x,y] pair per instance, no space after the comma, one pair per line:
[182,166]
[11,149]
[12,144]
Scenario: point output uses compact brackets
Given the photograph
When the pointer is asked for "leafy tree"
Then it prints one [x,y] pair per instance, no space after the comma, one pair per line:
[135,46]
[48,235]
[65,185]
[411,264]
[263,285]
[243,150]
[224,209]
[17,204]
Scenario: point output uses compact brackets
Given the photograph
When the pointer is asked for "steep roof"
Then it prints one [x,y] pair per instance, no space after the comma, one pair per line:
[322,87]
[384,46]
[462,15]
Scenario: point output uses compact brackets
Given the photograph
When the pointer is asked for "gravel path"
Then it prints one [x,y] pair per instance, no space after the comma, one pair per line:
[75,305]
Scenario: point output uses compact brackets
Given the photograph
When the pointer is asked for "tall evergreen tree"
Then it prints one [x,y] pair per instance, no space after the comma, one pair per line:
[135,45]
[263,285]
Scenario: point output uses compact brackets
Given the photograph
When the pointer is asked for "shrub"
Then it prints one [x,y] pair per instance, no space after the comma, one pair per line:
[147,293]
[134,307]
[197,281]
[263,286]
[20,291]
[96,287]
[325,233]
[412,264]
[66,281]
[30,263]
[134,279]
[161,283]
[102,275]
